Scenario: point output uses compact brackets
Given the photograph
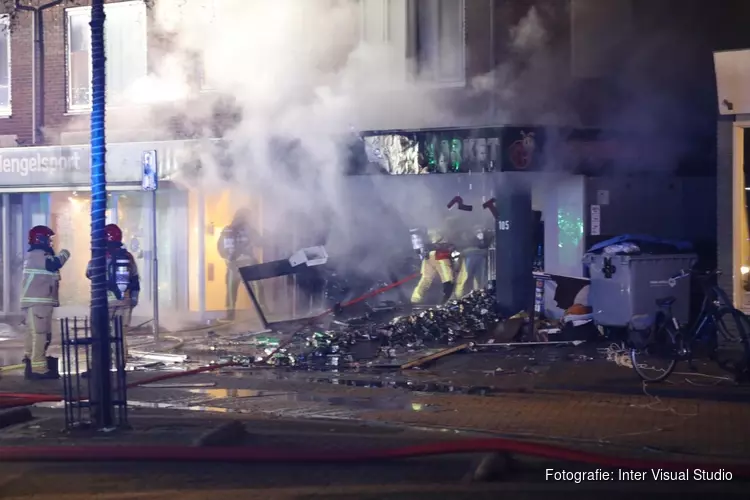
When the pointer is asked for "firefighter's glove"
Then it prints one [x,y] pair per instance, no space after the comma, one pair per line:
[134,299]
[63,255]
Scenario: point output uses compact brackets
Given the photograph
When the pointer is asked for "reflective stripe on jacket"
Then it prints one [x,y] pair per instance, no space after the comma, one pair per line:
[40,285]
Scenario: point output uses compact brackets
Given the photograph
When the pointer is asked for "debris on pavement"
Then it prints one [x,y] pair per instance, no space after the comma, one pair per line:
[432,357]
[379,338]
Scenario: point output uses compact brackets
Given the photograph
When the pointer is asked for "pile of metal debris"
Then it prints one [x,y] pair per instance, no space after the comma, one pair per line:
[343,344]
[381,337]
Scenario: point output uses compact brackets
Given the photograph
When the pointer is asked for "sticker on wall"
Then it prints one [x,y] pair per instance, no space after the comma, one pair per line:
[521,152]
[596,220]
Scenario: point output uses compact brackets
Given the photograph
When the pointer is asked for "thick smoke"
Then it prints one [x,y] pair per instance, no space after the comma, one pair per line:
[302,82]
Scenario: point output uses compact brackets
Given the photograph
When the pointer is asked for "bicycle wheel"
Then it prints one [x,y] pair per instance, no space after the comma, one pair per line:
[733,327]
[656,360]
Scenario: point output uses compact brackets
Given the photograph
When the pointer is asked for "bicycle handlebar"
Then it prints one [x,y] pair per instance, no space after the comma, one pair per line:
[684,274]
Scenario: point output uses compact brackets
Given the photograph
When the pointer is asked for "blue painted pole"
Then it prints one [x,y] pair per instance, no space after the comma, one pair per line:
[101,383]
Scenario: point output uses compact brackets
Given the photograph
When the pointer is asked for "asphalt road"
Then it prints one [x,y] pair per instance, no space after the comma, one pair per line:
[453,477]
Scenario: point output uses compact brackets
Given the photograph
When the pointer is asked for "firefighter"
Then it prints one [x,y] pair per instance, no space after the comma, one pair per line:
[472,271]
[39,296]
[123,280]
[435,253]
[235,244]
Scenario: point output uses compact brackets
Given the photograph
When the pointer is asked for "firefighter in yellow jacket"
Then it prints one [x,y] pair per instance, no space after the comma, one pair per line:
[437,262]
[39,297]
[472,271]
[123,281]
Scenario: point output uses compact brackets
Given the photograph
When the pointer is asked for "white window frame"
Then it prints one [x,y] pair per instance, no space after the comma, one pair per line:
[434,81]
[86,11]
[5,25]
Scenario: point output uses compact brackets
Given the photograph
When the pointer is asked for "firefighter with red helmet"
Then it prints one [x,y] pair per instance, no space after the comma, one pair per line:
[39,297]
[123,281]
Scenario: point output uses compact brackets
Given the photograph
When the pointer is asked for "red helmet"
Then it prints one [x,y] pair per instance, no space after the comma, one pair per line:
[114,233]
[40,235]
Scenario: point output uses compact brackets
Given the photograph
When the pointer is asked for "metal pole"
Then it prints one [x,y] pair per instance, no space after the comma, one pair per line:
[201,212]
[6,235]
[493,64]
[101,382]
[155,269]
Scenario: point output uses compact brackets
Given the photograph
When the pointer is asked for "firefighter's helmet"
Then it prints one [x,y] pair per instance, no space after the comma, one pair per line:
[113,233]
[40,235]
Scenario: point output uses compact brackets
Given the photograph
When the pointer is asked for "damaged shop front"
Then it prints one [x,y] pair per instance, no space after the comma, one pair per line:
[544,196]
[557,192]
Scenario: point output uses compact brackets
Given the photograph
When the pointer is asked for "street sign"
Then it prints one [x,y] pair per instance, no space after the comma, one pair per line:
[149,179]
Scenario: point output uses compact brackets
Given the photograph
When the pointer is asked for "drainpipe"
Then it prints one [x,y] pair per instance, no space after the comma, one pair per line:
[493,63]
[37,64]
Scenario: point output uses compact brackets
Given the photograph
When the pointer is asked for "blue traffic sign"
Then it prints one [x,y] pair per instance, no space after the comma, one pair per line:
[150,179]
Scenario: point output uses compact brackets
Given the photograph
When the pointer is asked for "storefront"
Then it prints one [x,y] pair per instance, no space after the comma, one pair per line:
[587,185]
[50,186]
[733,173]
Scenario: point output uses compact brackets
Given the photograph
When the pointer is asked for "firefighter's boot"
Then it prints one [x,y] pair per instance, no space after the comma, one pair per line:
[53,370]
[26,367]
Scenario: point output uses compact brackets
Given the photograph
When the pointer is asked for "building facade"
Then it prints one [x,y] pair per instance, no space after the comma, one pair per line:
[44,120]
[491,62]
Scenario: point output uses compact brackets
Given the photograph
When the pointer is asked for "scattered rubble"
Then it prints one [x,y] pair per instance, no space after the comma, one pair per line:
[378,339]
[445,324]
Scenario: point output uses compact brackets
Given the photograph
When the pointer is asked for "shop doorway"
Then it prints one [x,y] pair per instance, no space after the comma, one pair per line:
[20,211]
[741,216]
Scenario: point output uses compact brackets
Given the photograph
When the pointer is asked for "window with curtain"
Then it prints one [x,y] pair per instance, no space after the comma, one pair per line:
[125,44]
[5,65]
[440,40]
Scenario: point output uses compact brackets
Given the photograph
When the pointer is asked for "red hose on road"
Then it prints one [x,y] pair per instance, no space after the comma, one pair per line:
[11,400]
[18,399]
[236,454]
[361,298]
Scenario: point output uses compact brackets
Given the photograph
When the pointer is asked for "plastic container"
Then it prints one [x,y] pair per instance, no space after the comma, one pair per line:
[627,286]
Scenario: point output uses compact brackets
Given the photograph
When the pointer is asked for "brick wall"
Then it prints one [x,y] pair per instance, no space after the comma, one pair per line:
[472,106]
[19,123]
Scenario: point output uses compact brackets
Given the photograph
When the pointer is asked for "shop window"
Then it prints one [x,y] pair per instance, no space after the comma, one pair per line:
[5,108]
[440,41]
[69,212]
[125,49]
[744,226]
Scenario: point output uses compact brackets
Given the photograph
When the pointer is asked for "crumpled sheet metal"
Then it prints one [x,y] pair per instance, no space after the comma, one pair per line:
[330,348]
[473,313]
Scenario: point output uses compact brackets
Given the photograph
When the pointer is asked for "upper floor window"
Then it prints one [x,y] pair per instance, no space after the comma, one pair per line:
[125,44]
[5,66]
[440,41]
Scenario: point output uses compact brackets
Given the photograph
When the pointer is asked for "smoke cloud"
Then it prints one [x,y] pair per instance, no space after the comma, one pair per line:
[287,84]
[302,81]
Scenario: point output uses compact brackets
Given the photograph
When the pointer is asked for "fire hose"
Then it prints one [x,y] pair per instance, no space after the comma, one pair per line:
[10,400]
[235,454]
[267,455]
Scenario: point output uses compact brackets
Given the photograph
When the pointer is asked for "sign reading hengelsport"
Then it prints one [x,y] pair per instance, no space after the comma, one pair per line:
[71,165]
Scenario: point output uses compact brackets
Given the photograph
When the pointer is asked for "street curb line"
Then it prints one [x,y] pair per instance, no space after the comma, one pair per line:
[226,434]
[9,368]
[14,416]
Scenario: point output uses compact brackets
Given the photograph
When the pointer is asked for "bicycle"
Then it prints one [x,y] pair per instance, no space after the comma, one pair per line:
[670,341]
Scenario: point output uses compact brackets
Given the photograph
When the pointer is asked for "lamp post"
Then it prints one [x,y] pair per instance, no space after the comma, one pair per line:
[101,383]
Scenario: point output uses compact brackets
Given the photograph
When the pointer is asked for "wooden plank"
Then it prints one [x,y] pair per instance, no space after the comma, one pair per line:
[432,357]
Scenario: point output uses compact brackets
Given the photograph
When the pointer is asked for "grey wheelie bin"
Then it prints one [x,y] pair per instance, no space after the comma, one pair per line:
[624,287]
